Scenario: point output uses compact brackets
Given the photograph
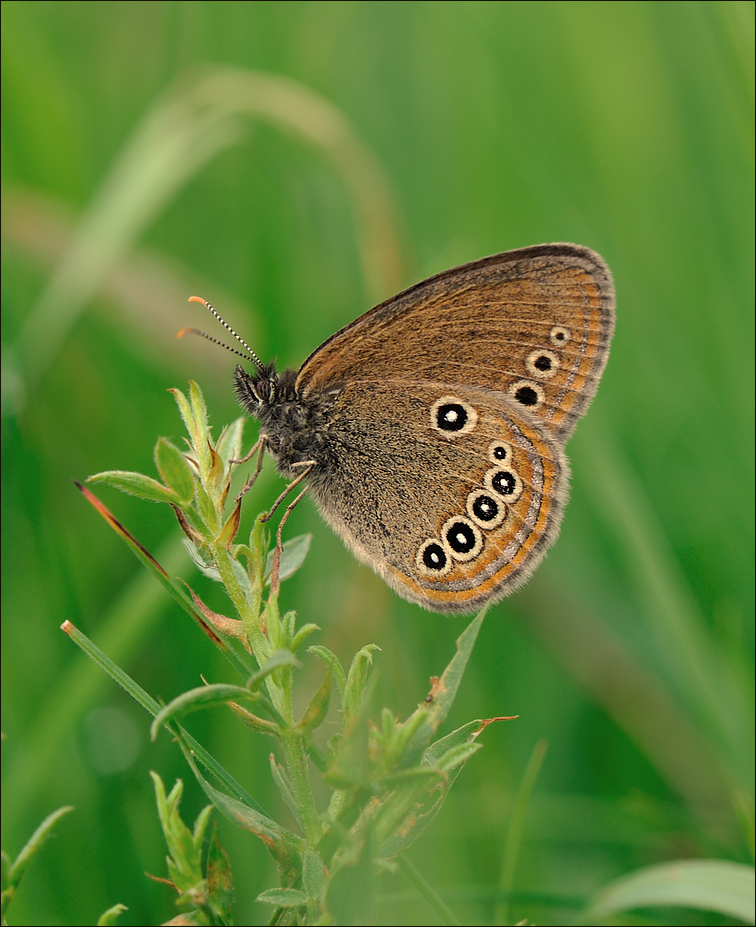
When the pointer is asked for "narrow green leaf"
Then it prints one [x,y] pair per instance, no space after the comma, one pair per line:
[285,846]
[457,756]
[205,568]
[174,470]
[462,735]
[192,748]
[399,735]
[301,636]
[184,859]
[177,592]
[278,658]
[196,700]
[282,843]
[200,826]
[283,897]
[515,828]
[447,757]
[109,917]
[253,721]
[229,444]
[185,409]
[330,658]
[708,884]
[220,881]
[285,788]
[20,866]
[136,484]
[444,691]
[415,824]
[354,690]
[200,433]
[427,891]
[288,628]
[317,710]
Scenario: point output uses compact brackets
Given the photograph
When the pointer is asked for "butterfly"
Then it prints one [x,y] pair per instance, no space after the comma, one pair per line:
[432,429]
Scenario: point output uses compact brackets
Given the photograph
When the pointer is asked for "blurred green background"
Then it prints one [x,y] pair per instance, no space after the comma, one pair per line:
[138,169]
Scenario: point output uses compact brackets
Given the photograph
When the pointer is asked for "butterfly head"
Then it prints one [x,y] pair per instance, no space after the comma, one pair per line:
[264,389]
[293,427]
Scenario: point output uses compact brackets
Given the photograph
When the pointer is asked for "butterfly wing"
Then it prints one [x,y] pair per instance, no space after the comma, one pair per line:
[535,324]
[451,493]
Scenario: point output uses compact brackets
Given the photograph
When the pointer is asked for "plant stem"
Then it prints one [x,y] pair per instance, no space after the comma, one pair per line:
[295,757]
[427,891]
[255,636]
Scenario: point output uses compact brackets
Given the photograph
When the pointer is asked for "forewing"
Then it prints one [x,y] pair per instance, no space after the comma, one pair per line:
[535,324]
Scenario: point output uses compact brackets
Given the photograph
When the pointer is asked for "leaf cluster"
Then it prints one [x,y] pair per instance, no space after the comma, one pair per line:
[388,778]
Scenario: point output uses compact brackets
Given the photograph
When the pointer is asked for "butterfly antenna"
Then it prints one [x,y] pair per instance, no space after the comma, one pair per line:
[196,331]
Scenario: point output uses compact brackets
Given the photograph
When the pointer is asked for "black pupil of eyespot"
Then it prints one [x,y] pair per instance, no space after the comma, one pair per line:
[500,453]
[504,482]
[451,417]
[434,557]
[485,508]
[526,395]
[543,363]
[559,336]
[461,537]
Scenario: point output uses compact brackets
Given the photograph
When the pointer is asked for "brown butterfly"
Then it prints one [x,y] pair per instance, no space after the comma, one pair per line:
[432,429]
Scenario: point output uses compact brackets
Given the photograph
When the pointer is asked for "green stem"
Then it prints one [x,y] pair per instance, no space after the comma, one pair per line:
[280,683]
[295,757]
[255,636]
[427,891]
[515,829]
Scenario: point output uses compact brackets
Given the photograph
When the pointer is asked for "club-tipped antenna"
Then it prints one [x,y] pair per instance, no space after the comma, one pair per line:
[206,304]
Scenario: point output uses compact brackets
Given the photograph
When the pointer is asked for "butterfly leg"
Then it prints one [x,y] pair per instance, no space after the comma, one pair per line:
[275,572]
[259,449]
[262,440]
[274,576]
[308,465]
